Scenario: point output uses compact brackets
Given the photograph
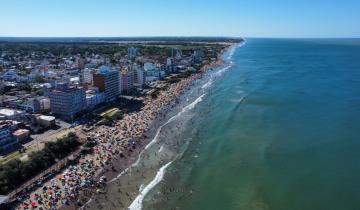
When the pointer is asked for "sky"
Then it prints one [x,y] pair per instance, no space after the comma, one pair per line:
[235,18]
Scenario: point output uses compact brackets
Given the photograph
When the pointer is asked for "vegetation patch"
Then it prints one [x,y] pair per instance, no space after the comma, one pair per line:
[15,172]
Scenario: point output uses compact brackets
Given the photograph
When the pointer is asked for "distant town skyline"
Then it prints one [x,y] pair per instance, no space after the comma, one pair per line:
[247,18]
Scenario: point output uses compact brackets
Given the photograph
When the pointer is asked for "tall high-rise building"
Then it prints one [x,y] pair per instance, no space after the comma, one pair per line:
[86,76]
[79,62]
[152,72]
[107,80]
[132,52]
[198,55]
[120,83]
[126,81]
[176,53]
[66,101]
[138,75]
[170,66]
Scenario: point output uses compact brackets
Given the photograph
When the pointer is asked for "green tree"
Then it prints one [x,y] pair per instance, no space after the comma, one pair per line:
[16,172]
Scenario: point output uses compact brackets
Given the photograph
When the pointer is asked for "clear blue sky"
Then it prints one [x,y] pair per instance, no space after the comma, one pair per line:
[245,18]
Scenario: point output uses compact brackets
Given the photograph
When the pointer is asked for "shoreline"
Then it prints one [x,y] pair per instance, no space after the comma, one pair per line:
[136,202]
[152,134]
[110,163]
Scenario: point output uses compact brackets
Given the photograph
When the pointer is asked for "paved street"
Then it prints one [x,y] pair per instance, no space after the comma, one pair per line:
[40,139]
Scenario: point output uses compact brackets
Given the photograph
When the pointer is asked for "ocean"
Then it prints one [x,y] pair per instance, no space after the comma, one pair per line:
[277,127]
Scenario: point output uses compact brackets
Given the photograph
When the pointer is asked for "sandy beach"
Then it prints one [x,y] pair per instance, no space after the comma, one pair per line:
[116,149]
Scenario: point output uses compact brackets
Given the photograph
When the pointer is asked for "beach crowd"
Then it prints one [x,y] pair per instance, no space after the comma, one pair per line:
[88,175]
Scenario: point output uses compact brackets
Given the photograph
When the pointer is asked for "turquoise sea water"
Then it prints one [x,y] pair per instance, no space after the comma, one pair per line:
[279,130]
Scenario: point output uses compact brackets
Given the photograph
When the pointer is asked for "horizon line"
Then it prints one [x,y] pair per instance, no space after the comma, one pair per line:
[191,36]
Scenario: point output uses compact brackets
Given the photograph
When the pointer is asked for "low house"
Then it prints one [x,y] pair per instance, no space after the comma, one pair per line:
[46,121]
[21,135]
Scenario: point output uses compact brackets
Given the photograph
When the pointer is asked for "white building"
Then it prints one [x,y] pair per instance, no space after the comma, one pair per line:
[178,54]
[94,99]
[67,101]
[169,62]
[139,77]
[152,72]
[46,121]
[41,104]
[87,76]
[170,67]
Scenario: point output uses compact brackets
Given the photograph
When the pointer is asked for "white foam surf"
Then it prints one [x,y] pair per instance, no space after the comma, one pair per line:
[186,108]
[222,71]
[141,187]
[192,105]
[229,64]
[119,175]
[161,148]
[137,203]
[154,140]
[238,100]
[206,85]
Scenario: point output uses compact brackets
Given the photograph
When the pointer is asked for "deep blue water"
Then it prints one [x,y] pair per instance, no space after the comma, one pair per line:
[280,130]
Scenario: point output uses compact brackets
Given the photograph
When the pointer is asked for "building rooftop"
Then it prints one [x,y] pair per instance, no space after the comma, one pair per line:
[21,132]
[47,118]
[105,70]
[67,89]
[9,112]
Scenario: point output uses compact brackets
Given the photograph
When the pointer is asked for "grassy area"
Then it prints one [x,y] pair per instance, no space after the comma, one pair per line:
[110,112]
[15,172]
[111,115]
[35,147]
[14,155]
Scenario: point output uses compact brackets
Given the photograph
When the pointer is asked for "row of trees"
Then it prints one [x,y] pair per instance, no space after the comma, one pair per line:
[61,49]
[64,49]
[16,172]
